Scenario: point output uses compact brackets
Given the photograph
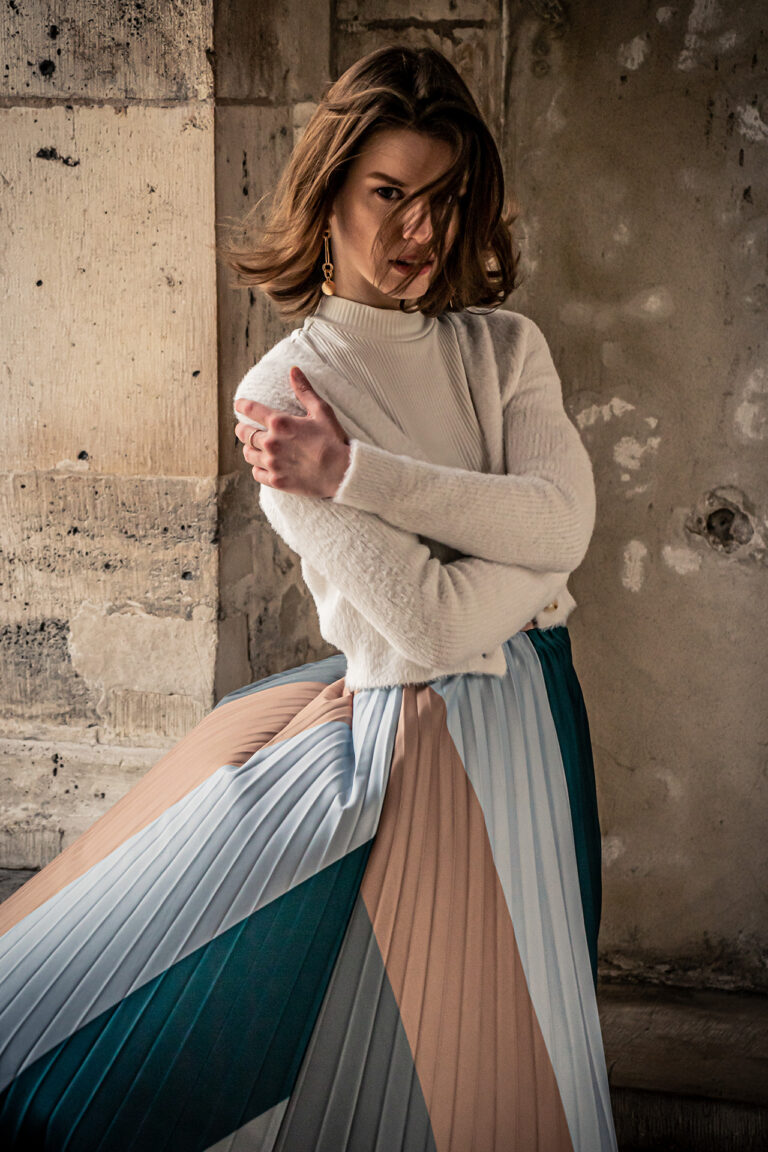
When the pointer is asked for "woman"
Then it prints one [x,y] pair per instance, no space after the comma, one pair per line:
[357,906]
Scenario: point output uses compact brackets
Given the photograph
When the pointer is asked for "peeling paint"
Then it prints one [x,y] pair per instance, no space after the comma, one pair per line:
[656,303]
[704,15]
[629,452]
[664,14]
[554,118]
[650,304]
[632,54]
[612,848]
[751,416]
[671,783]
[651,421]
[751,125]
[725,519]
[633,574]
[681,559]
[72,465]
[605,412]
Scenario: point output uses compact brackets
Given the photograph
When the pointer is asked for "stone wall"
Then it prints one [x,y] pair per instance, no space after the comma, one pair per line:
[109,438]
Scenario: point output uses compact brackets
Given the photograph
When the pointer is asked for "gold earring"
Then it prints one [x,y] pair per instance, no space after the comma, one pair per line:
[328,286]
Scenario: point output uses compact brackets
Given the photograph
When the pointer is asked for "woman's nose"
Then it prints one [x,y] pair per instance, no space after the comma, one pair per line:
[418,223]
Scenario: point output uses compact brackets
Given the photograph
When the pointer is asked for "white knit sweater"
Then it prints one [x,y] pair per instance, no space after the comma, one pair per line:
[420,569]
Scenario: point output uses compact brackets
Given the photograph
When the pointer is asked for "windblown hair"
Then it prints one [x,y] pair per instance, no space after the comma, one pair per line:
[392,87]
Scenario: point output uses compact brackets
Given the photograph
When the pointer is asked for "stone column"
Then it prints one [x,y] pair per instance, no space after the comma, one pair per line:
[109,449]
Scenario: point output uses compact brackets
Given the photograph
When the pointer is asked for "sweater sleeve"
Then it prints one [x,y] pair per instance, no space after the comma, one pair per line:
[433,613]
[541,514]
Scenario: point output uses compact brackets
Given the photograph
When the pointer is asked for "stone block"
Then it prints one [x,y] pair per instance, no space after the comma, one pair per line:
[271,52]
[473,49]
[269,591]
[109,586]
[147,51]
[109,332]
[53,791]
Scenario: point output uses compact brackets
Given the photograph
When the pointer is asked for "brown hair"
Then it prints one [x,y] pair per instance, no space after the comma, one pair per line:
[392,87]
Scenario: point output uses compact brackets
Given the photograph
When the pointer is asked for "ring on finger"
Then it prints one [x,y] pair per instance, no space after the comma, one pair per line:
[250,439]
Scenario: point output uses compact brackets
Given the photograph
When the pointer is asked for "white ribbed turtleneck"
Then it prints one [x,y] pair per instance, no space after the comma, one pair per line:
[521,522]
[411,367]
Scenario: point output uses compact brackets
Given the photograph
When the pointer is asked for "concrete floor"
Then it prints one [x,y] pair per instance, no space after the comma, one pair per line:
[688,1069]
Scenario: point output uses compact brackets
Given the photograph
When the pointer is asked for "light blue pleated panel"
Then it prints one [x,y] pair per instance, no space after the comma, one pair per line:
[325,671]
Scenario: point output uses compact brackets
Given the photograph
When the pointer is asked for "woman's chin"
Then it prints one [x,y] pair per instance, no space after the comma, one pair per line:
[411,291]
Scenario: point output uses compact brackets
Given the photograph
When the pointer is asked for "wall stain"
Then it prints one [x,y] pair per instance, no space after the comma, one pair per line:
[52,154]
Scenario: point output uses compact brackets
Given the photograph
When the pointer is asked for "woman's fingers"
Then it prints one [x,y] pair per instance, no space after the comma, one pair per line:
[302,454]
[244,432]
[254,409]
[250,439]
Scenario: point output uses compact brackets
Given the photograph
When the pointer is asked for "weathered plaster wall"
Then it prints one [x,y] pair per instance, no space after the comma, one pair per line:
[108,496]
[637,142]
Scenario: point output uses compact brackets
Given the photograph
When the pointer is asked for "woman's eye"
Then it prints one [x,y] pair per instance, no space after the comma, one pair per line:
[387,188]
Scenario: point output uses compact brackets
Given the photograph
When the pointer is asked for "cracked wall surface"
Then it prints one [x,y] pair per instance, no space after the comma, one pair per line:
[635,141]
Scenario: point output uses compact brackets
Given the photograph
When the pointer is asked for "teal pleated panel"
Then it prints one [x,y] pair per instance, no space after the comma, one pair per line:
[212,1042]
[553,648]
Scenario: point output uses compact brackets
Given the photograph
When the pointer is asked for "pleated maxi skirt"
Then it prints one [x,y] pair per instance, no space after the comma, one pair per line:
[326,921]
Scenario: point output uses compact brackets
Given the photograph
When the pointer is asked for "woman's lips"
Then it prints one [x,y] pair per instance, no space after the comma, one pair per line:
[406,266]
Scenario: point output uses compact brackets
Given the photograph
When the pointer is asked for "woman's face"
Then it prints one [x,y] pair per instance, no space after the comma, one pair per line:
[394,161]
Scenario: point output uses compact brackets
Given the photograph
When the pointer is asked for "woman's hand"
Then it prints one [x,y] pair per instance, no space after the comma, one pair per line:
[307,455]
